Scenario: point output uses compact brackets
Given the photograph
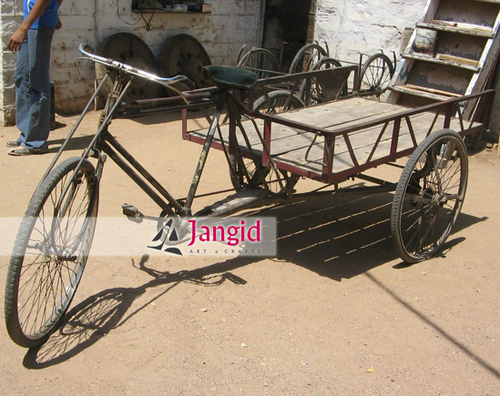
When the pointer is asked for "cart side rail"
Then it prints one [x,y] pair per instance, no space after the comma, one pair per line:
[395,135]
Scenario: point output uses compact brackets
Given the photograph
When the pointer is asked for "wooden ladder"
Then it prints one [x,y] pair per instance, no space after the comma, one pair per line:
[452,52]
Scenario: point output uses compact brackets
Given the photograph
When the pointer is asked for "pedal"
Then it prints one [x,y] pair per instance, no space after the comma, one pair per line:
[132,213]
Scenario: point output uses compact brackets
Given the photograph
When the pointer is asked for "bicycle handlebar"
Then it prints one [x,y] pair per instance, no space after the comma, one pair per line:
[165,81]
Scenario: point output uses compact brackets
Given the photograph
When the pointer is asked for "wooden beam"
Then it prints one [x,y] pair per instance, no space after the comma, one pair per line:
[495,112]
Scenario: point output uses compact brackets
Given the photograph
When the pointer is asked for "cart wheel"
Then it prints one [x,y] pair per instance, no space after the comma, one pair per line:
[50,252]
[246,173]
[131,50]
[320,92]
[375,76]
[261,61]
[429,196]
[308,56]
[183,54]
[277,102]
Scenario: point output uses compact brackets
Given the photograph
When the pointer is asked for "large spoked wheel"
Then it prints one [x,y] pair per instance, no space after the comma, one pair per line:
[321,89]
[375,76]
[246,173]
[308,56]
[429,196]
[261,61]
[50,252]
[277,102]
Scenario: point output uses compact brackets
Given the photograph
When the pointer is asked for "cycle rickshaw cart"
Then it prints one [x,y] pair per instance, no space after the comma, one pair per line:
[267,155]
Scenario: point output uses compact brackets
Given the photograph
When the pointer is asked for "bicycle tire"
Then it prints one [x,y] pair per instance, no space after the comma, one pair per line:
[313,52]
[429,196]
[249,174]
[261,61]
[50,252]
[317,94]
[278,102]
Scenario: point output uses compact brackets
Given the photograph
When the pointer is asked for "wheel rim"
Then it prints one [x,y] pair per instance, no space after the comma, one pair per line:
[248,174]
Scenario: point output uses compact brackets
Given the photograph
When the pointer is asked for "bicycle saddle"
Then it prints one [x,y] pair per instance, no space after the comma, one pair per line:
[231,77]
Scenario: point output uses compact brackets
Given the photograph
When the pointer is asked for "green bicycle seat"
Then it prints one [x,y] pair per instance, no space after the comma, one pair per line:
[231,77]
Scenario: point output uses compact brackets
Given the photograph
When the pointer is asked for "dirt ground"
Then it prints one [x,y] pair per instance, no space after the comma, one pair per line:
[335,313]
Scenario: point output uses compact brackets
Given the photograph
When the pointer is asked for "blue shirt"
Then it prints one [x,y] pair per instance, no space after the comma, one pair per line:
[49,16]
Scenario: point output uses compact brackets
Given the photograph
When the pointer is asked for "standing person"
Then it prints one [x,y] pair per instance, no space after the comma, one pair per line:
[32,41]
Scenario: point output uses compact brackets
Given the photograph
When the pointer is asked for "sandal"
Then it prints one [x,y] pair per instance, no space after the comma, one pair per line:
[23,150]
[13,143]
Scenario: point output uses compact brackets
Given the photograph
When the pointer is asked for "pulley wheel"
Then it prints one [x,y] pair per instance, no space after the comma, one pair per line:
[183,54]
[131,50]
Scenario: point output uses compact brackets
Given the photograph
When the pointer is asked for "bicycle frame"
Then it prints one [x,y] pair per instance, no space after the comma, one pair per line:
[104,145]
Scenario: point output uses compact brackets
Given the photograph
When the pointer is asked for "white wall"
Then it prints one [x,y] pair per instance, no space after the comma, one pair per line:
[351,27]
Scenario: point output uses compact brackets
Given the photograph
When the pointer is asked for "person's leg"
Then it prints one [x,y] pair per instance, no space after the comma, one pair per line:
[38,119]
[22,90]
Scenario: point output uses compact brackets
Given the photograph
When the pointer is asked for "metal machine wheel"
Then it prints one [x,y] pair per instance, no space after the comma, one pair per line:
[183,54]
[132,50]
[50,252]
[375,76]
[429,196]
[261,61]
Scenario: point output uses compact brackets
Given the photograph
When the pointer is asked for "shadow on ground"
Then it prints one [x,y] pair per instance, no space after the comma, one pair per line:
[336,238]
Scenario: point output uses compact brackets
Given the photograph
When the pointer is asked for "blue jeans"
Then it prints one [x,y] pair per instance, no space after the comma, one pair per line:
[33,88]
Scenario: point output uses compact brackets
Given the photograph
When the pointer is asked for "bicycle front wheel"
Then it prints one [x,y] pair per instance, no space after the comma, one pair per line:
[50,252]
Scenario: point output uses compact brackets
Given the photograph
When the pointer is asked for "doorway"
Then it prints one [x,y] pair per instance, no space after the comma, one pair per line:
[288,26]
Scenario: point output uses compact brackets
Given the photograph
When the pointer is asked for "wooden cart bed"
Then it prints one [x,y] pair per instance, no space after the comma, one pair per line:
[343,137]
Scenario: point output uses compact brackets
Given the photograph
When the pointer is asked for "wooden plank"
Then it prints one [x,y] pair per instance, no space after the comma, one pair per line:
[458,59]
[343,113]
[460,28]
[433,91]
[466,14]
[418,92]
[445,59]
